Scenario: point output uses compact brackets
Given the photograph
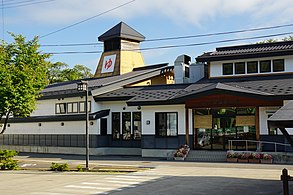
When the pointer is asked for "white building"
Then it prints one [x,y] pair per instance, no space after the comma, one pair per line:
[151,110]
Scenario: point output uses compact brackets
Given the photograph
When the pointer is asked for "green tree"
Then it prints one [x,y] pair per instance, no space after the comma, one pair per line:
[55,72]
[23,74]
[289,38]
[59,72]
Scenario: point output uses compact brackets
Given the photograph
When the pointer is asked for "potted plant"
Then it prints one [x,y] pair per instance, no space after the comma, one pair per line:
[254,158]
[243,157]
[182,152]
[267,159]
[231,156]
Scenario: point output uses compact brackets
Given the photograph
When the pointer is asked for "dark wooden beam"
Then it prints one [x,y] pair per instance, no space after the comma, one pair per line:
[187,126]
[287,136]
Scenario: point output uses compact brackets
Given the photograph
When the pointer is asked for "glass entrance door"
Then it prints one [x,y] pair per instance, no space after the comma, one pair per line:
[213,128]
[223,130]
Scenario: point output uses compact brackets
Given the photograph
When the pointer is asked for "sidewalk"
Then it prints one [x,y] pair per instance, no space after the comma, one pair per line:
[43,161]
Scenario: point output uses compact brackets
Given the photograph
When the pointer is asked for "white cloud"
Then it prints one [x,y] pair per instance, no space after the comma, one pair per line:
[188,11]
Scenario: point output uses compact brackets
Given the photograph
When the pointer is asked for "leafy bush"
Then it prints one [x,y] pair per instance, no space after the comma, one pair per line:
[6,161]
[59,167]
[79,168]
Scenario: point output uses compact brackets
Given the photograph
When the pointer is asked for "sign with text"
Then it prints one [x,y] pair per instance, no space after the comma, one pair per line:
[203,121]
[245,120]
[108,64]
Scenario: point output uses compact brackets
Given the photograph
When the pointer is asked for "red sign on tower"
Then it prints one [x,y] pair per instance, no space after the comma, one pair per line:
[108,64]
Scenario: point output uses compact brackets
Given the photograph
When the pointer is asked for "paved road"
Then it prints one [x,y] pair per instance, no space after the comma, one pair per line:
[165,178]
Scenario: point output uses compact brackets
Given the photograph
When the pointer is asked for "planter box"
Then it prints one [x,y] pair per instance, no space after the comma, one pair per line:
[179,158]
[232,160]
[243,160]
[253,161]
[266,161]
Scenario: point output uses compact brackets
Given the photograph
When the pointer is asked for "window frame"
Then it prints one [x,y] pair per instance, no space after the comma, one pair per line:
[124,129]
[166,123]
[72,103]
[283,64]
[249,63]
[139,126]
[236,64]
[119,126]
[225,65]
[83,102]
[103,129]
[260,66]
[58,111]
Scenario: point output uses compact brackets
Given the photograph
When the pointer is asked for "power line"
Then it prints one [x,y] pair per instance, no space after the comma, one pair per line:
[222,33]
[180,37]
[183,45]
[71,44]
[26,4]
[17,2]
[69,26]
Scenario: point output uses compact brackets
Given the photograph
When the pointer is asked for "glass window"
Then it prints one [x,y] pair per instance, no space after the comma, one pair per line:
[103,126]
[126,125]
[116,125]
[265,66]
[278,65]
[166,124]
[60,108]
[252,67]
[72,107]
[82,106]
[272,131]
[240,68]
[227,68]
[136,125]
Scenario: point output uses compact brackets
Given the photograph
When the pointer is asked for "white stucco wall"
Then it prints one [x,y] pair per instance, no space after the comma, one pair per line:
[216,67]
[47,107]
[70,127]
[149,115]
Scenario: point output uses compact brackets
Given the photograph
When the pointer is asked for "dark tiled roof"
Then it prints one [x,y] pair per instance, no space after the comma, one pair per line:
[66,88]
[273,87]
[54,118]
[248,51]
[153,93]
[284,114]
[122,30]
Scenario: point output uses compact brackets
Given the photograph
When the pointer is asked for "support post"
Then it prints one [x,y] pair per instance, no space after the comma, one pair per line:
[187,126]
[285,179]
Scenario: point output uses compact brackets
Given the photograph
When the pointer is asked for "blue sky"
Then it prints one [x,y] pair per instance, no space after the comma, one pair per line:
[152,18]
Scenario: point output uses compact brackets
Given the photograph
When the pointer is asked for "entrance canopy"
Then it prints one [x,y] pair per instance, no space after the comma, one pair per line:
[283,119]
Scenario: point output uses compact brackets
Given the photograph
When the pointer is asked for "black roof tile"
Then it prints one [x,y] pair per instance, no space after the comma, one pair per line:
[123,31]
[69,87]
[248,51]
[274,86]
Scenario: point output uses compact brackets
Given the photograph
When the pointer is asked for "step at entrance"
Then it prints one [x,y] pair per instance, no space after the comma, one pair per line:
[206,156]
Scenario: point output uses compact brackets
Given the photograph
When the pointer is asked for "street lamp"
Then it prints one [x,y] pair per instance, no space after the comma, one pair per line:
[83,86]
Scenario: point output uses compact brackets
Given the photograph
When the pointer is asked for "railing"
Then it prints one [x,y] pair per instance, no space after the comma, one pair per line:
[258,144]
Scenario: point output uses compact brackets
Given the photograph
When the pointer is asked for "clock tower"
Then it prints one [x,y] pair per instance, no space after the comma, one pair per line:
[121,51]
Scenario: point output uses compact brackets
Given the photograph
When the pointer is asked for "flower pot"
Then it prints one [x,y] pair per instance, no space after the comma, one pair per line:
[232,160]
[266,161]
[253,160]
[243,160]
[179,158]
